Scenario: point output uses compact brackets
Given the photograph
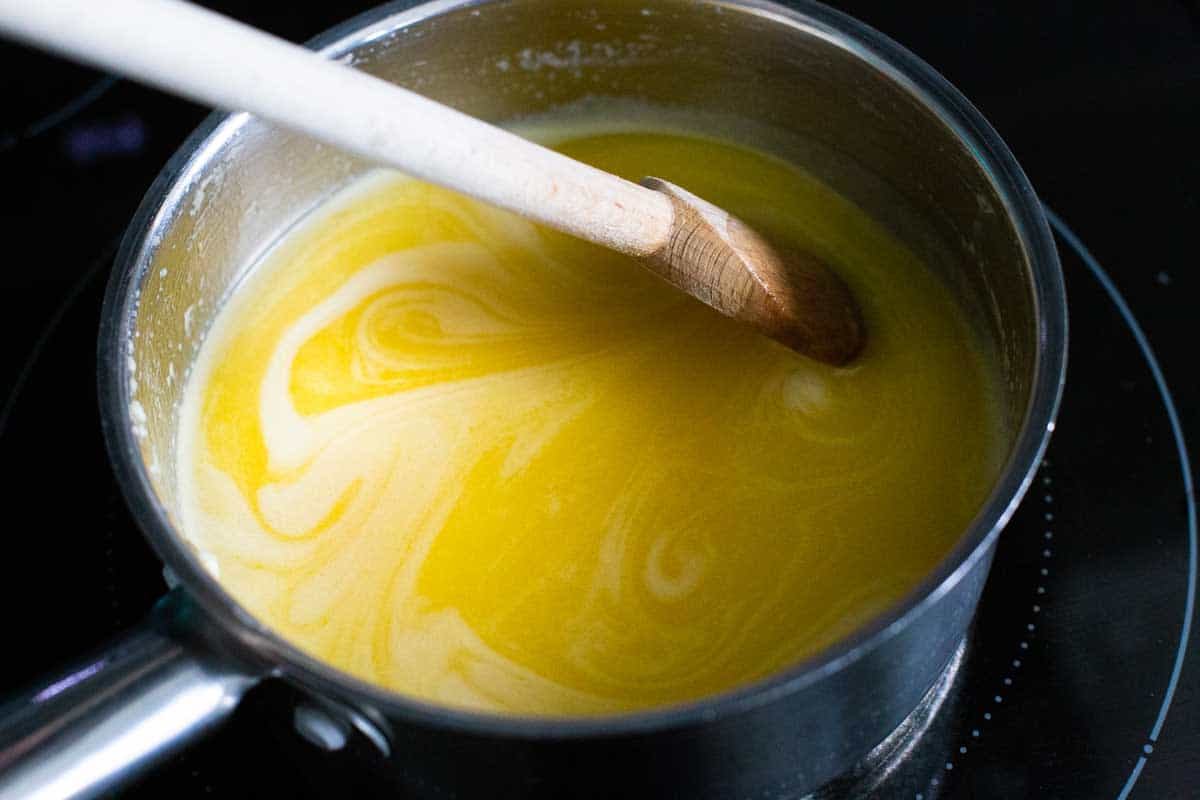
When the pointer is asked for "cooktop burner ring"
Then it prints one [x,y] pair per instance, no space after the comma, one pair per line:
[51,120]
[1064,233]
[971,736]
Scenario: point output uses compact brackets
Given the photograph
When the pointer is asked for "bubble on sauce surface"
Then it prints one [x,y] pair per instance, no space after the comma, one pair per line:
[137,415]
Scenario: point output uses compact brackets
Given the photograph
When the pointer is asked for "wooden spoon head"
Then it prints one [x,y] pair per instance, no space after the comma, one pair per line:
[789,295]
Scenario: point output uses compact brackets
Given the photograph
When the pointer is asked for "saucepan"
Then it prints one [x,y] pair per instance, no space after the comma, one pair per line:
[848,104]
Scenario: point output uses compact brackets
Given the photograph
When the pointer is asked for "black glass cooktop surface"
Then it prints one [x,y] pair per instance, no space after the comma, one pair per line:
[1080,679]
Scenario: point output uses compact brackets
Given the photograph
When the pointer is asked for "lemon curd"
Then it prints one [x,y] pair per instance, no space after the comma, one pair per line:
[491,466]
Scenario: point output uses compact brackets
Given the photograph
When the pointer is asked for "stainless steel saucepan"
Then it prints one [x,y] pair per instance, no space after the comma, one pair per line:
[844,101]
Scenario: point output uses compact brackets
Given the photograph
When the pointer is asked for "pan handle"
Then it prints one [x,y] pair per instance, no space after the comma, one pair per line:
[111,716]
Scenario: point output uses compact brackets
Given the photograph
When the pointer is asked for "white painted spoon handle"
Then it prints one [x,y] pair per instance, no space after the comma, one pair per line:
[196,53]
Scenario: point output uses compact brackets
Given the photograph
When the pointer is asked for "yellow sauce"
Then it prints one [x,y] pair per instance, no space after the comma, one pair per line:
[494,467]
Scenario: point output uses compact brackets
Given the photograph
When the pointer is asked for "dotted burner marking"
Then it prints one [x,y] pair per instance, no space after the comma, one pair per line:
[1023,645]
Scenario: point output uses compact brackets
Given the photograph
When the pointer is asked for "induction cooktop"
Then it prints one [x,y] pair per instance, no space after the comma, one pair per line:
[1080,677]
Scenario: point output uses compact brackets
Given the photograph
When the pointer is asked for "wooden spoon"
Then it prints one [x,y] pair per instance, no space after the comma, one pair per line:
[694,245]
